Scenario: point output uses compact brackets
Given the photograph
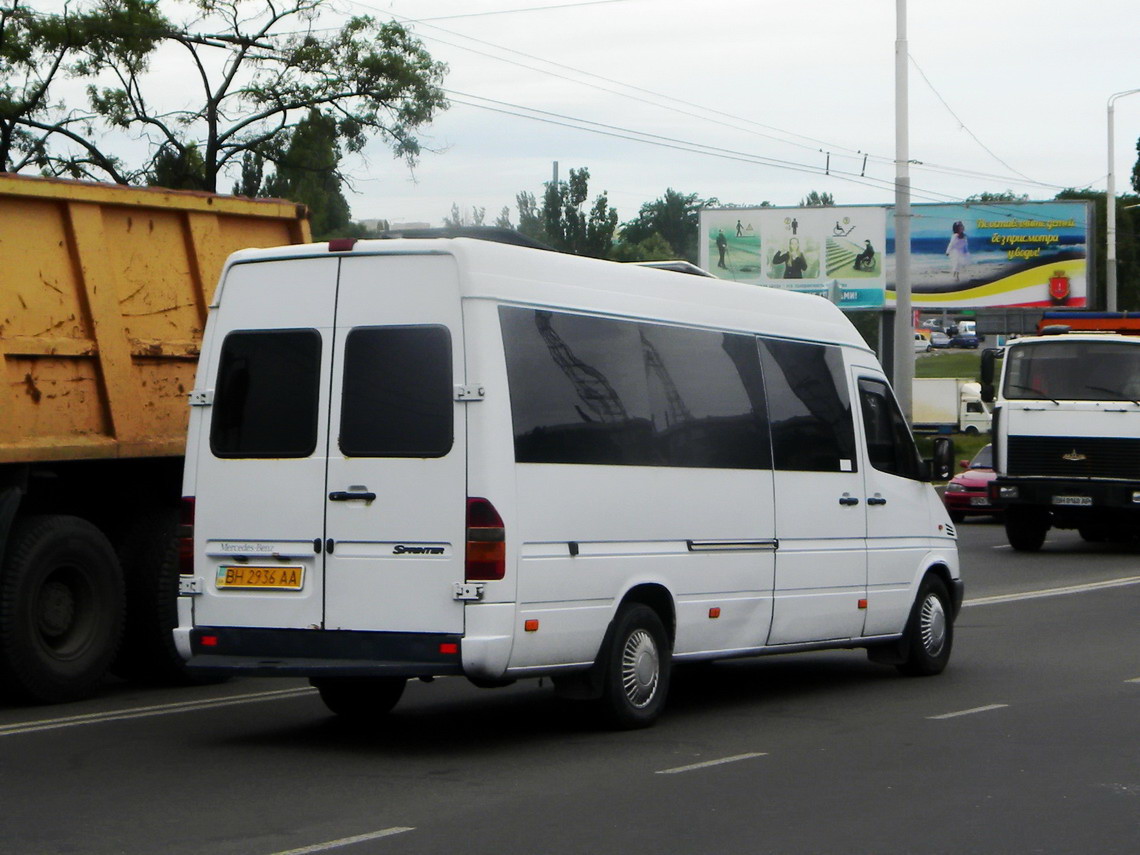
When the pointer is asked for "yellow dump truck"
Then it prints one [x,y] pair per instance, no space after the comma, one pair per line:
[103,296]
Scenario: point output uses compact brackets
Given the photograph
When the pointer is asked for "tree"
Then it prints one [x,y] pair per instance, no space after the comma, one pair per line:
[815,199]
[1127,247]
[257,69]
[458,218]
[530,220]
[503,221]
[565,224]
[308,172]
[653,248]
[1007,196]
[675,217]
[1136,169]
[36,52]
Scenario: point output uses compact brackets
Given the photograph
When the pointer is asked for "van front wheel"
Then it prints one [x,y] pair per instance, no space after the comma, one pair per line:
[929,631]
[360,698]
[637,668]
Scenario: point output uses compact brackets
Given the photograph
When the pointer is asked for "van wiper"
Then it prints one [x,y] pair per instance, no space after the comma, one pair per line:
[1119,393]
[1036,391]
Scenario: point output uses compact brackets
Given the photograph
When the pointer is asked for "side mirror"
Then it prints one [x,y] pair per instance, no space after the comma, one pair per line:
[989,356]
[942,464]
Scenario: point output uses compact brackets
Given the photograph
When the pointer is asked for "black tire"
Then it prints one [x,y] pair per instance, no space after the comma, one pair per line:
[929,635]
[637,666]
[1092,534]
[1025,529]
[148,553]
[61,609]
[957,517]
[360,698]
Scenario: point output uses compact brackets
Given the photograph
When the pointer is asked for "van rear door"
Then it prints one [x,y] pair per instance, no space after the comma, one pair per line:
[259,488]
[395,497]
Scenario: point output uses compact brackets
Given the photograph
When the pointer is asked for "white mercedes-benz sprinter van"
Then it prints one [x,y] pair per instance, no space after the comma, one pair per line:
[423,457]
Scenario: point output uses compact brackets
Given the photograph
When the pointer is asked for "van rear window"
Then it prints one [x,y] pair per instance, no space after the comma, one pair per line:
[266,395]
[397,393]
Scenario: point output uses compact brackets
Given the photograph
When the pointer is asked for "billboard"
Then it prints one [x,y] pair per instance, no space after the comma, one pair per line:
[838,253]
[996,254]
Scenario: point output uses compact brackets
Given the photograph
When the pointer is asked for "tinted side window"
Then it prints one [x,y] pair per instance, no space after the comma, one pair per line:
[578,390]
[267,392]
[706,397]
[397,393]
[604,391]
[890,446]
[808,406]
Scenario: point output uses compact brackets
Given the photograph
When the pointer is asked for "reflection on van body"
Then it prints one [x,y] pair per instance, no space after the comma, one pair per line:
[500,462]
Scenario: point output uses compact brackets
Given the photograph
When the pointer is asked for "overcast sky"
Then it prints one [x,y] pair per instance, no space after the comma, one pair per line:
[747,99]
[1016,99]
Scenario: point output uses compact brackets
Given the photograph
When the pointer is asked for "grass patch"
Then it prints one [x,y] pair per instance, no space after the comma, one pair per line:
[948,363]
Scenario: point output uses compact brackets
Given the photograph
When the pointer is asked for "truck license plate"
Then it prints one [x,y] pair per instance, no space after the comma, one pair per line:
[279,577]
[1082,501]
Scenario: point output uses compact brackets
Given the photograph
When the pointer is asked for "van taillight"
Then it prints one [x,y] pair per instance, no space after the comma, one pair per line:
[486,542]
[186,536]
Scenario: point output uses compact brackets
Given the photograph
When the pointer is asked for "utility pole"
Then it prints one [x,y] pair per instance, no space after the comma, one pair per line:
[903,374]
[1110,208]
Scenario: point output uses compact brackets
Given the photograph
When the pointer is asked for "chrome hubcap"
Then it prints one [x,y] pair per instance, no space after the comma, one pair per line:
[932,624]
[640,668]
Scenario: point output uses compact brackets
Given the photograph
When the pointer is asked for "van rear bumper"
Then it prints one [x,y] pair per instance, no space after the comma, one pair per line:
[326,653]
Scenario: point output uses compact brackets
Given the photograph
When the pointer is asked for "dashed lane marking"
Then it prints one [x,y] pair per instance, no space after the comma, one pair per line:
[967,712]
[346,841]
[693,766]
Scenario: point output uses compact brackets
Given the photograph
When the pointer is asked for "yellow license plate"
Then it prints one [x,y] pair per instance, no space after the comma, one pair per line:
[281,577]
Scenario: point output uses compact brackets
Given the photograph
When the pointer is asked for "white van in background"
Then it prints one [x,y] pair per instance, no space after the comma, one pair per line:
[424,457]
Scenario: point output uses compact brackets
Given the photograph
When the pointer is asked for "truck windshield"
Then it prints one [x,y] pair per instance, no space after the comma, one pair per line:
[1073,371]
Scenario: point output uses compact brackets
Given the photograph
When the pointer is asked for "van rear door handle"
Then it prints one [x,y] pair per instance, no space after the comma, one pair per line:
[347,496]
[848,500]
[876,500]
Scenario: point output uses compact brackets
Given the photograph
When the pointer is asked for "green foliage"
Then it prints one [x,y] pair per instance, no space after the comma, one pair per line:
[458,218]
[1006,196]
[675,218]
[653,248]
[178,169]
[1136,169]
[1127,247]
[563,222]
[39,50]
[815,199]
[253,73]
[307,172]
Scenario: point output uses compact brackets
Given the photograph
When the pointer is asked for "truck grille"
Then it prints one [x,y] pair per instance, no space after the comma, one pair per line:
[1074,457]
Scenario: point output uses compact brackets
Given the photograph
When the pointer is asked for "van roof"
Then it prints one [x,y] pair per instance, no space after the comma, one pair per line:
[529,276]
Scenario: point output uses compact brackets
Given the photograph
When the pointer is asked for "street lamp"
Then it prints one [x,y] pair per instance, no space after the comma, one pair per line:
[1110,209]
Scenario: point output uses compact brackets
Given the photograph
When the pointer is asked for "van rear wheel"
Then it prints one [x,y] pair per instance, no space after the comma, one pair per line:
[360,698]
[637,668]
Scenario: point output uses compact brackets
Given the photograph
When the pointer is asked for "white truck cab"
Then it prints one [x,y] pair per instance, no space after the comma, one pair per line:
[422,457]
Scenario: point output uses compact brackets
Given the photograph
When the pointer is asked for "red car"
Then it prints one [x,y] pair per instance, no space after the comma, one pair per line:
[967,491]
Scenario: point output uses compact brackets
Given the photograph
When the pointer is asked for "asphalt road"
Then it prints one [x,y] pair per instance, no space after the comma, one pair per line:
[1030,742]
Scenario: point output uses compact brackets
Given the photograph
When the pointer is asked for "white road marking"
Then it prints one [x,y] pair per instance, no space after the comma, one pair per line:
[1133,680]
[345,841]
[1053,592]
[967,712]
[708,763]
[148,712]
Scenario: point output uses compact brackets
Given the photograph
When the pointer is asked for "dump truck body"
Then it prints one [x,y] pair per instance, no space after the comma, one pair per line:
[102,306]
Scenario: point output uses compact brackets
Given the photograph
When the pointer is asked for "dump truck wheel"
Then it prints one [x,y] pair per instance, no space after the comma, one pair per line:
[61,609]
